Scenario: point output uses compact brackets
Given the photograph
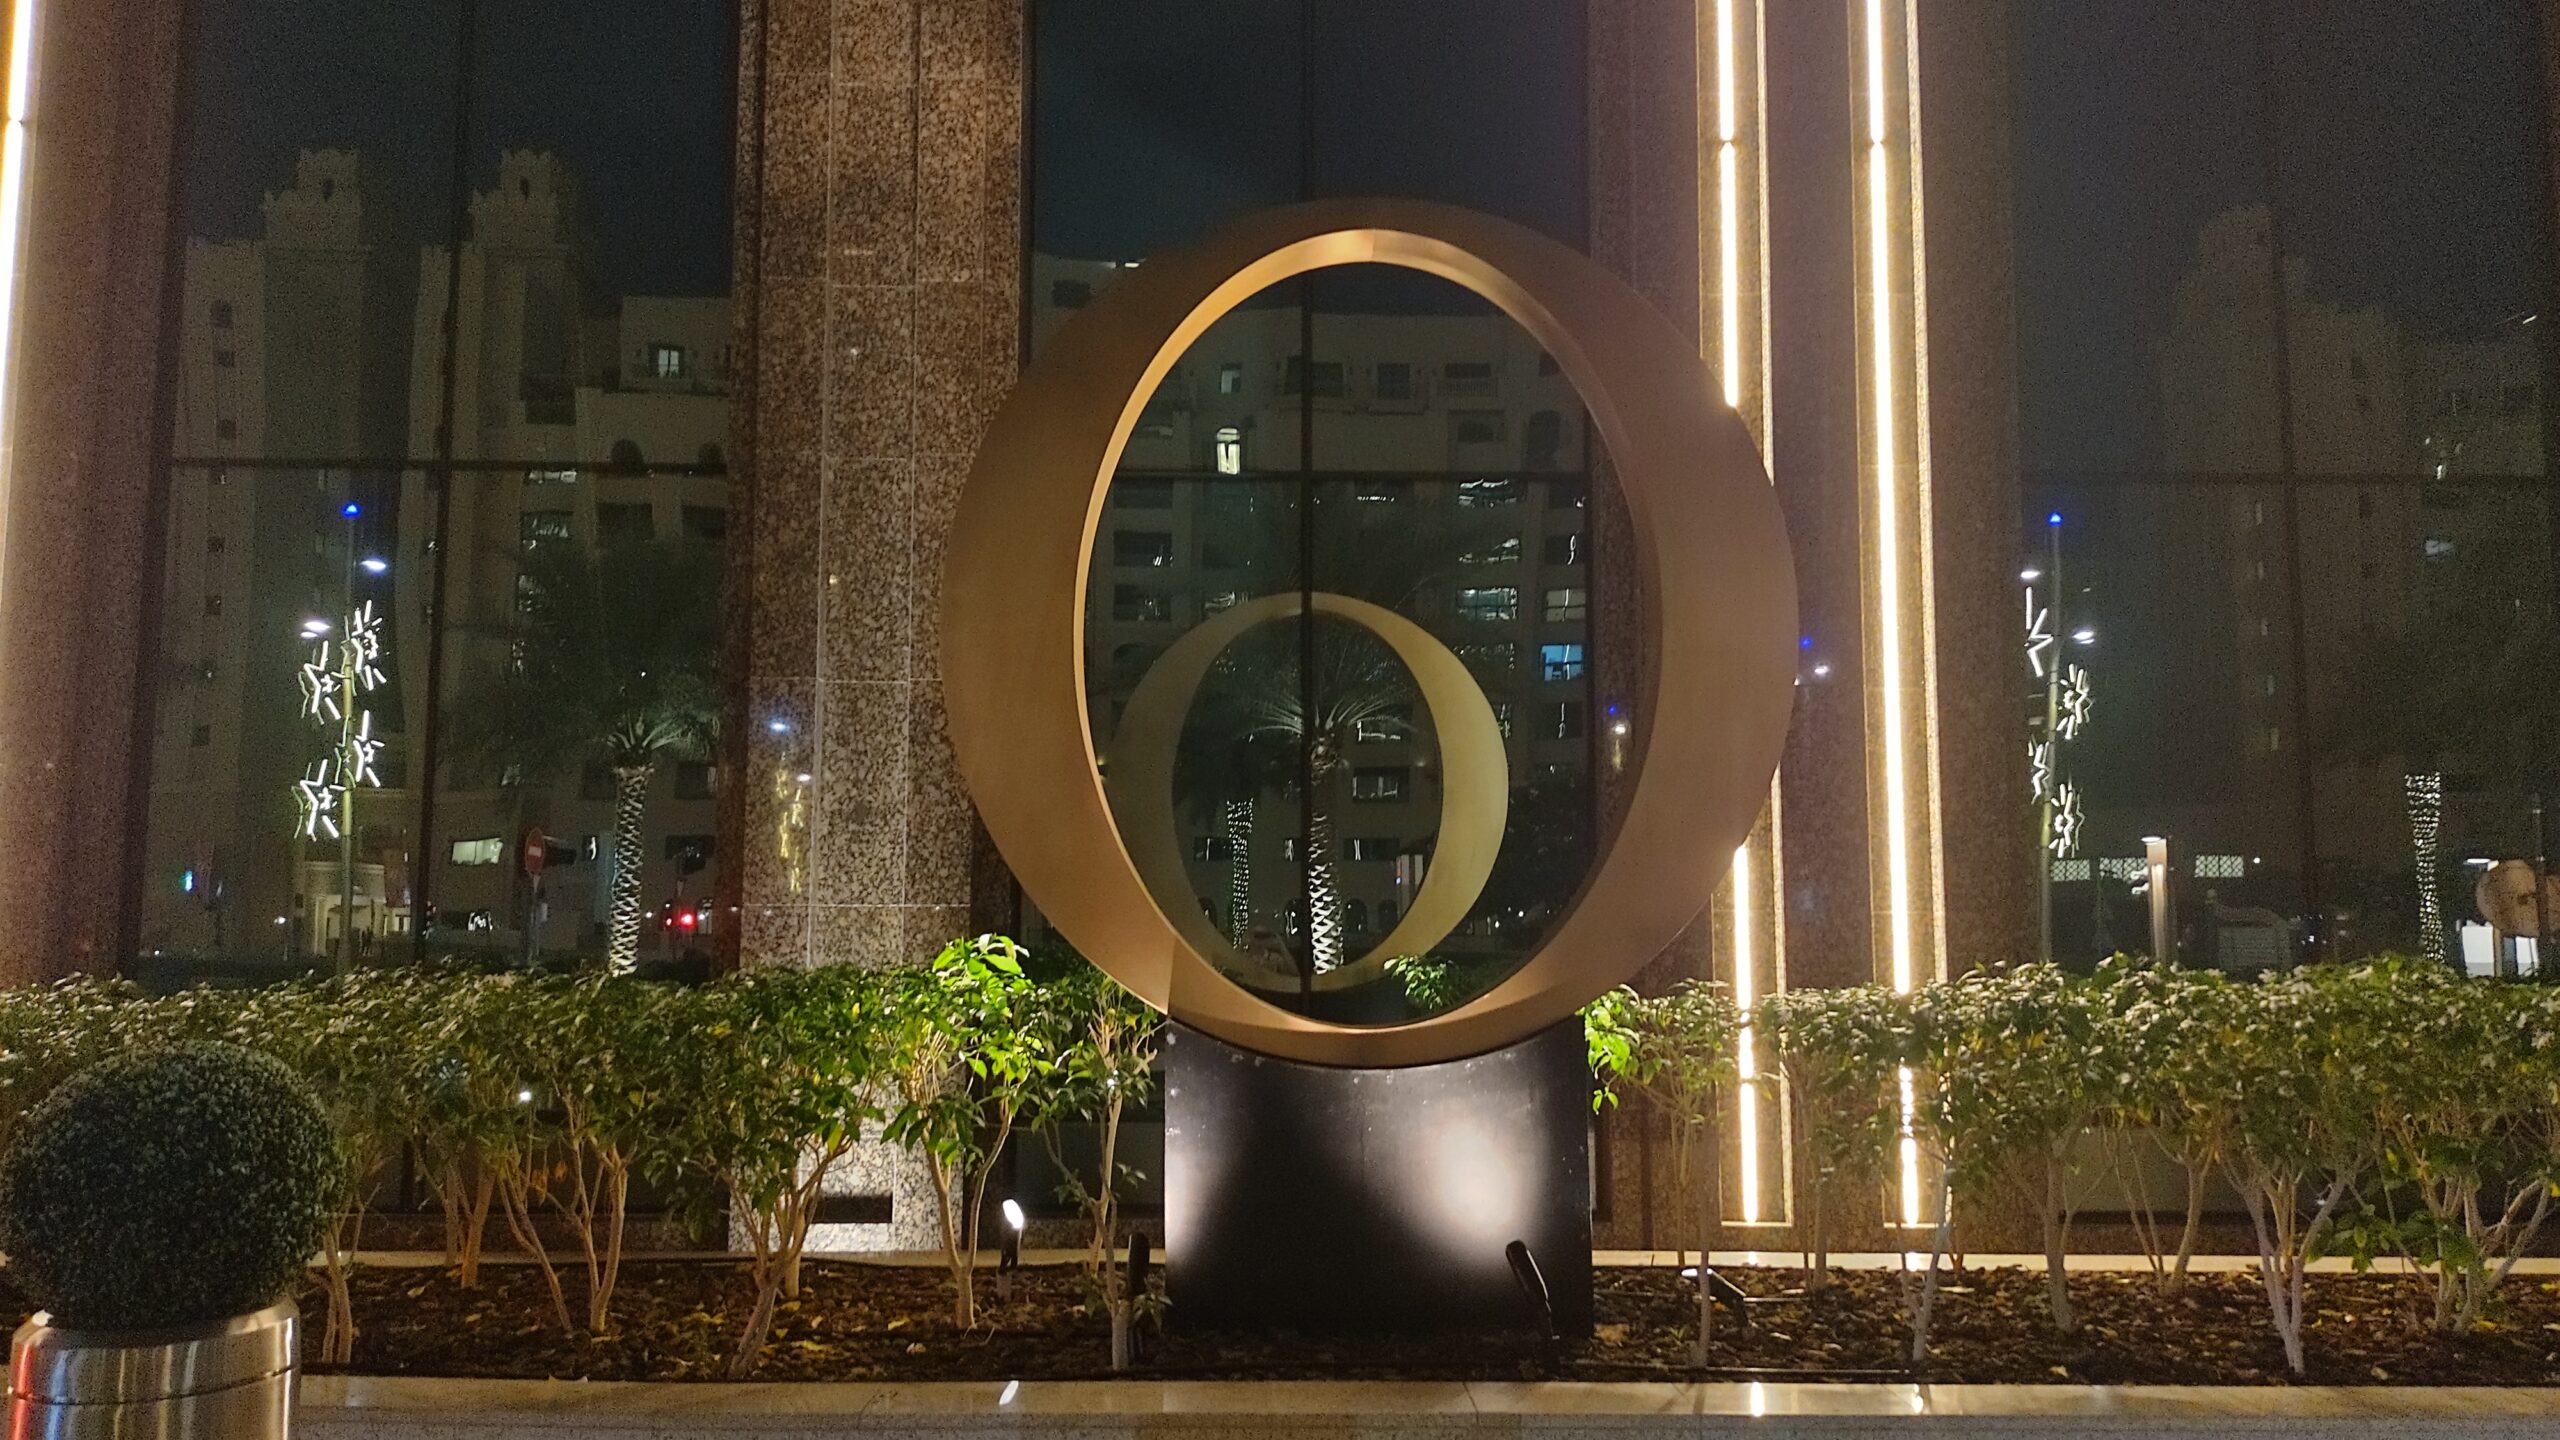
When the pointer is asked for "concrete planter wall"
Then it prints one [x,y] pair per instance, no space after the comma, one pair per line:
[234,1379]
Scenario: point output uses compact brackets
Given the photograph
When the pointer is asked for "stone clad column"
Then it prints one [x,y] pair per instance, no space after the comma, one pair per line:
[880,216]
[882,273]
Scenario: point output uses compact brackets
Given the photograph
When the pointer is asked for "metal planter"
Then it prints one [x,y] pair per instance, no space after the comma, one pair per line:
[232,1378]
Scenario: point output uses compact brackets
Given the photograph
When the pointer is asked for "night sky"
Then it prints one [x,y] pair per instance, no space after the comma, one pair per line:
[2410,160]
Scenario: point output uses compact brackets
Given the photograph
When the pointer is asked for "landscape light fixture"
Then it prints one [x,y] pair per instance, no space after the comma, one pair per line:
[1009,1258]
[1533,1284]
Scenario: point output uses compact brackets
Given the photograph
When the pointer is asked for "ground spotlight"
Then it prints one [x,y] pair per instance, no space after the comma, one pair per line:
[1533,1284]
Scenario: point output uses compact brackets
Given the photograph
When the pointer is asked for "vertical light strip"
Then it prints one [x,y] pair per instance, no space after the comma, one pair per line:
[1740,220]
[1746,1059]
[13,205]
[1729,197]
[1894,726]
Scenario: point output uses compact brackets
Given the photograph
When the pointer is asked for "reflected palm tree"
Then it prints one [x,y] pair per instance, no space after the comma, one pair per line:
[615,661]
[1308,728]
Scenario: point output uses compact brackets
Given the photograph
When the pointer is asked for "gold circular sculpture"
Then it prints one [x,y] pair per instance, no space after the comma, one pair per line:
[1475,779]
[1709,558]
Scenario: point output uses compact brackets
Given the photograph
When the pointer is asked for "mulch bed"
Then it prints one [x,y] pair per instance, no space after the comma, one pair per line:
[677,1321]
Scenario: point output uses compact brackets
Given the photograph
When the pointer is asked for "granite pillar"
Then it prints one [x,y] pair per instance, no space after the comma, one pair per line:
[880,278]
[76,520]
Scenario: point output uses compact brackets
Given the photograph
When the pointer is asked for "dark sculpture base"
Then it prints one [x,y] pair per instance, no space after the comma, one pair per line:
[1325,1200]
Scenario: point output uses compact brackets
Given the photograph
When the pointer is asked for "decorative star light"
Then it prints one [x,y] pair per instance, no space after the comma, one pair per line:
[2075,702]
[2040,766]
[318,793]
[362,751]
[2066,821]
[2039,634]
[364,647]
[320,684]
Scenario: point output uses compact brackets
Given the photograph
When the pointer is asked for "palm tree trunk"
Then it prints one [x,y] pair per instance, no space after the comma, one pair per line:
[1324,925]
[1239,871]
[630,807]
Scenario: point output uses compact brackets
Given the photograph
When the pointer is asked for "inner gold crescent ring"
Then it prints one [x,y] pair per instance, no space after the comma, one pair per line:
[1475,782]
[1707,699]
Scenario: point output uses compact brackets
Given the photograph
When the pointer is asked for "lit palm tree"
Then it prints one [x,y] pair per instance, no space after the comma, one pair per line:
[1356,681]
[615,660]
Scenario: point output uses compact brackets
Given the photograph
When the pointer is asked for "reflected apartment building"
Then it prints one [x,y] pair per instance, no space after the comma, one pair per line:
[2419,456]
[311,368]
[1449,447]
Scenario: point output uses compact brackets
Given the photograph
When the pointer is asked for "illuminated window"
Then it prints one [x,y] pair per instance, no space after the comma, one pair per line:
[1500,552]
[670,362]
[1489,602]
[1231,378]
[1142,549]
[1564,550]
[1477,494]
[1381,784]
[1230,451]
[533,527]
[1560,662]
[1570,602]
[486,850]
[1489,655]
[1395,723]
[1211,847]
[1371,848]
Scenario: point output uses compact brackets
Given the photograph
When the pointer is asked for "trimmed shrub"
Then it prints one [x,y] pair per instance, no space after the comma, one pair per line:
[168,1187]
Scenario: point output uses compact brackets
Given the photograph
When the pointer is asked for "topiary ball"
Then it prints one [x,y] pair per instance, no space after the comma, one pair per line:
[168,1187]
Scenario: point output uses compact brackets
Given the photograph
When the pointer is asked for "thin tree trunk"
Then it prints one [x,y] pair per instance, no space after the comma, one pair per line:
[1924,1310]
[2177,1279]
[1710,1178]
[475,1226]
[630,810]
[518,1207]
[2056,1226]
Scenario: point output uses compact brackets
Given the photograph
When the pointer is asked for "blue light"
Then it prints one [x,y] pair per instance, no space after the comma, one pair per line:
[351,509]
[1805,644]
[2054,519]
[187,882]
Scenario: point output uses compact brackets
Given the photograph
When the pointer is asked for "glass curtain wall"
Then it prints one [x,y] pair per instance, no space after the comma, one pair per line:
[1354,445]
[1358,444]
[447,490]
[2284,272]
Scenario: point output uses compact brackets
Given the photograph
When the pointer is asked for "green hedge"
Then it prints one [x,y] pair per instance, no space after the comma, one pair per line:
[2391,1108]
[531,1103]
[2388,1108]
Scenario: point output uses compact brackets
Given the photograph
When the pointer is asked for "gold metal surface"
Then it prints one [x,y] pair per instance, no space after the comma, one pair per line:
[1710,558]
[1475,780]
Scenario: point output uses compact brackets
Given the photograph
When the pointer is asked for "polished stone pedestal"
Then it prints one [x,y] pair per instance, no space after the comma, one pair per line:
[1322,1199]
